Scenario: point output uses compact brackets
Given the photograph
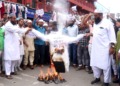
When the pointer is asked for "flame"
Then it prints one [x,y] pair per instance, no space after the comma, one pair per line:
[41,75]
[50,75]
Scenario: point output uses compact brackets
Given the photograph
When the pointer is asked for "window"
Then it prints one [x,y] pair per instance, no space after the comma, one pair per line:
[19,1]
[33,3]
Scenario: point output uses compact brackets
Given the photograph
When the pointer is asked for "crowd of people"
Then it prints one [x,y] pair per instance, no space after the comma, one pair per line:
[97,52]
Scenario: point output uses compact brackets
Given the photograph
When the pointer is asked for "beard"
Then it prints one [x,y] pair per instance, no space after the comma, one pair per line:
[71,24]
[13,23]
[98,20]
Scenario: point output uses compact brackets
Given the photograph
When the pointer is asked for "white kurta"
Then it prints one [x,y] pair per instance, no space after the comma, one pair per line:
[21,38]
[103,36]
[58,40]
[11,42]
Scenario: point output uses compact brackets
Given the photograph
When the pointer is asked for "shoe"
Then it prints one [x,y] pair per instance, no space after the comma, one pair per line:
[90,72]
[24,67]
[95,81]
[3,72]
[31,66]
[86,69]
[78,68]
[35,65]
[116,81]
[16,69]
[14,73]
[105,84]
[19,68]
[9,77]
[1,75]
[83,67]
[74,66]
[41,65]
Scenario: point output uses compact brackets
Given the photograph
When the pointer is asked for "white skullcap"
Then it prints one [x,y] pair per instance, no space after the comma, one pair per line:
[11,15]
[29,21]
[51,21]
[98,11]
[45,24]
[40,20]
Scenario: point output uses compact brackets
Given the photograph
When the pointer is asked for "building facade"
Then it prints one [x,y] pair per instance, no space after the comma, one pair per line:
[83,6]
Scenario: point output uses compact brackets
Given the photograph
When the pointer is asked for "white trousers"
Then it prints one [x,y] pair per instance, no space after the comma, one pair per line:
[9,66]
[107,74]
[114,66]
[1,60]
[18,62]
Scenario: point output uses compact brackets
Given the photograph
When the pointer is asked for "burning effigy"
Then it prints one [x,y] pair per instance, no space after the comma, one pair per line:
[54,73]
[50,77]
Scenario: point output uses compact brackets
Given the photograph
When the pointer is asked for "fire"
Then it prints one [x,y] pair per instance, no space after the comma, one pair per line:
[50,76]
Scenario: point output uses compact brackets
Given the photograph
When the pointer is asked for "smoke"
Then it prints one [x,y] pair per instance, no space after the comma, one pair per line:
[61,7]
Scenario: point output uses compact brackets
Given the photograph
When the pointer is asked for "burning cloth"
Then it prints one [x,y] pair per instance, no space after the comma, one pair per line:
[59,48]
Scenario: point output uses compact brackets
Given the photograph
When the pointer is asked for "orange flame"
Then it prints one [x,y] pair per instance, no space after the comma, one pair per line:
[41,74]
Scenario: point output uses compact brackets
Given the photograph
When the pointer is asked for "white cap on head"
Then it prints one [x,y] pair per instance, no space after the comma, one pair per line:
[98,11]
[40,20]
[45,24]
[29,21]
[51,21]
[11,15]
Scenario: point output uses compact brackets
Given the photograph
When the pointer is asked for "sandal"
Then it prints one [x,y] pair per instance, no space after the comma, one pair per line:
[14,73]
[9,77]
[1,75]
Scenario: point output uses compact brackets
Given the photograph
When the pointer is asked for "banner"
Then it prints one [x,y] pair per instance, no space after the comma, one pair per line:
[31,13]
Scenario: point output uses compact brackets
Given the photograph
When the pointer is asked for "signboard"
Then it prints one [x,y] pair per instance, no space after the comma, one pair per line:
[40,12]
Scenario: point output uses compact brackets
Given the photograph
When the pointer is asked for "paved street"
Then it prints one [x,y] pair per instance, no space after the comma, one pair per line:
[29,78]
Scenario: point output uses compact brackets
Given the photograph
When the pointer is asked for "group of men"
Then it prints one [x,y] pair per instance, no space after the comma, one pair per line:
[18,40]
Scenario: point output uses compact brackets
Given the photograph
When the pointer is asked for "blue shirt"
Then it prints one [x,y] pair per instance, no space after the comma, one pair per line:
[42,30]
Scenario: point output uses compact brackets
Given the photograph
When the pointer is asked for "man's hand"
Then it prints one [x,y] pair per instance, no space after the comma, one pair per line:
[87,47]
[77,43]
[20,42]
[114,56]
[28,30]
[91,14]
[36,16]
[26,44]
[118,56]
[108,15]
[111,51]
[88,34]
[46,43]
[37,38]
[41,15]
[3,33]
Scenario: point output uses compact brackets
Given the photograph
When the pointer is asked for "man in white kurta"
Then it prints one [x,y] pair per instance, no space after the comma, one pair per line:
[21,47]
[102,48]
[11,45]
